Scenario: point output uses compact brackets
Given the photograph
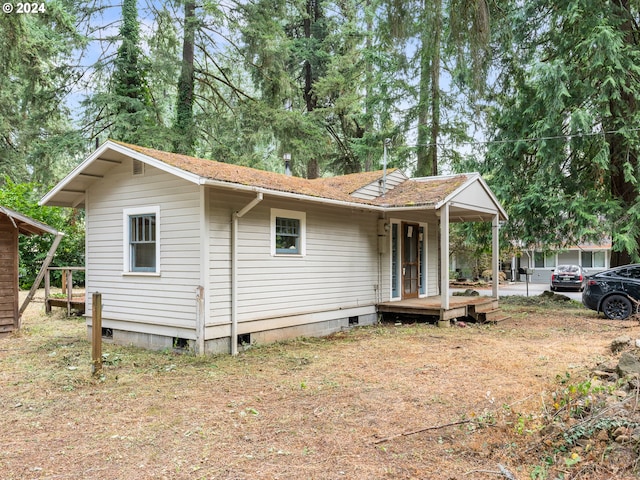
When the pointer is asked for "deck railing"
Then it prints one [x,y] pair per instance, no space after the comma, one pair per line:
[67,288]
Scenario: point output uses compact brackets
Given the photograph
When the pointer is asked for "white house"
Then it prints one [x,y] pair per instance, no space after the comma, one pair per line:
[594,257]
[208,255]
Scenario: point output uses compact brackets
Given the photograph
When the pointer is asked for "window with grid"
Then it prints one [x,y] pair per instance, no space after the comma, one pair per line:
[288,232]
[287,235]
[142,243]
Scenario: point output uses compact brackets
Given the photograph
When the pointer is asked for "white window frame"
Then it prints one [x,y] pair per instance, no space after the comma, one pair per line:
[398,260]
[424,275]
[293,214]
[126,238]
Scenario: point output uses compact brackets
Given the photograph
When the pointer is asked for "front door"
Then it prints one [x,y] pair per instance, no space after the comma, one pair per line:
[410,260]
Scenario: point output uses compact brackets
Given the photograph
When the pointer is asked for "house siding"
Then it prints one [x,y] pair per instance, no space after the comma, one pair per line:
[339,271]
[167,300]
[374,190]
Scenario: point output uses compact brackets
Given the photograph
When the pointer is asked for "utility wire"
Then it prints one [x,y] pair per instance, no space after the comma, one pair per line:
[534,139]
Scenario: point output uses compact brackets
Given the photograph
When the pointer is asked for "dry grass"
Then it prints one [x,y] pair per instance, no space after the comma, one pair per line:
[312,408]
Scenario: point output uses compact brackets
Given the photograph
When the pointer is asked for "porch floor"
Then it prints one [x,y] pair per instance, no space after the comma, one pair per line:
[482,309]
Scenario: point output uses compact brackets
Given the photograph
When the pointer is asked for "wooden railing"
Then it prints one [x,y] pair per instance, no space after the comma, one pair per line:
[71,302]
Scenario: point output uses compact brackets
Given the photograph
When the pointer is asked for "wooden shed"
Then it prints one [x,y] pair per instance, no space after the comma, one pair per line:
[13,224]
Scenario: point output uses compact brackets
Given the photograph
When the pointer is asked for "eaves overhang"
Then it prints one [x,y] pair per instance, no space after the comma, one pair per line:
[71,190]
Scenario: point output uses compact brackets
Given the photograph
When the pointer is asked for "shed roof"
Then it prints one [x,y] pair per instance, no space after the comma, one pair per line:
[428,193]
[26,225]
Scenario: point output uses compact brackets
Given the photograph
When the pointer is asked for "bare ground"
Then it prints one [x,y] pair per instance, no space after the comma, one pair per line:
[409,401]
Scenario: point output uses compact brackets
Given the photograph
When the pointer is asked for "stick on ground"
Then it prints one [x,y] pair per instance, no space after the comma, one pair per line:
[413,432]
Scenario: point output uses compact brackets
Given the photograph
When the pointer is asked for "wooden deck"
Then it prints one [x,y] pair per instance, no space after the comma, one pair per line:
[74,304]
[482,309]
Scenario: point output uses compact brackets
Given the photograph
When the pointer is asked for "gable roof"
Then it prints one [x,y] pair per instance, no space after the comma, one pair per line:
[403,193]
[26,225]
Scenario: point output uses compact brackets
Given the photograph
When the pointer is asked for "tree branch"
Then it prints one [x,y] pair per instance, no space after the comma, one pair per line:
[413,432]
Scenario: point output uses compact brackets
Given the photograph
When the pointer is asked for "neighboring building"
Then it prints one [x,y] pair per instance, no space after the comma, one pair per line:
[593,257]
[13,224]
[208,255]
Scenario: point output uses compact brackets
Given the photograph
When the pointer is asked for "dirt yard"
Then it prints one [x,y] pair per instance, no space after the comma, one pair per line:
[397,401]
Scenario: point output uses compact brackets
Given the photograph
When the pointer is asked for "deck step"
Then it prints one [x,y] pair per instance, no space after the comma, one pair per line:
[485,307]
[493,316]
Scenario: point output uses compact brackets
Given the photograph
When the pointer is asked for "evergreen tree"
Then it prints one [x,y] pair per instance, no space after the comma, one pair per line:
[37,73]
[453,44]
[123,110]
[130,110]
[565,160]
[163,70]
[316,74]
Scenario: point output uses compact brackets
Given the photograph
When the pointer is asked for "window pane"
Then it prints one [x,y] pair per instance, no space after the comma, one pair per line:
[538,258]
[395,287]
[550,260]
[143,257]
[287,235]
[142,239]
[598,259]
[587,259]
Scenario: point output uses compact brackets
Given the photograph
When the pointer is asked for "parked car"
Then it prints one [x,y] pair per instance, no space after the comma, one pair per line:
[614,292]
[568,277]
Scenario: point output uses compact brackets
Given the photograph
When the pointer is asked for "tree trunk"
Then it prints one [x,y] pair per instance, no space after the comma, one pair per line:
[313,14]
[435,86]
[620,150]
[429,94]
[368,82]
[183,127]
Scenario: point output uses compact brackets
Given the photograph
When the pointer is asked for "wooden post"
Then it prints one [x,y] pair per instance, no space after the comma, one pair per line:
[444,264]
[63,279]
[44,269]
[47,291]
[96,334]
[68,274]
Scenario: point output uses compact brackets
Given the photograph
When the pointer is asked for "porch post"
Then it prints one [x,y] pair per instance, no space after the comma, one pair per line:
[444,257]
[495,254]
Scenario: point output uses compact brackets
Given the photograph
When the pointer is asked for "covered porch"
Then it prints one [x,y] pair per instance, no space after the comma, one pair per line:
[470,200]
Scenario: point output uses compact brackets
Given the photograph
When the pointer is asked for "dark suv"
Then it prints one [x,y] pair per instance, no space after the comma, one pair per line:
[614,292]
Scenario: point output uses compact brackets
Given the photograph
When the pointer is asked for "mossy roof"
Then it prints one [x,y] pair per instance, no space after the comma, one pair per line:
[412,192]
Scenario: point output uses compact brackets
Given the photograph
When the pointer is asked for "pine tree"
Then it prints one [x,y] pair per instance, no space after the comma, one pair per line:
[453,39]
[37,73]
[122,108]
[566,157]
[129,90]
[320,77]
